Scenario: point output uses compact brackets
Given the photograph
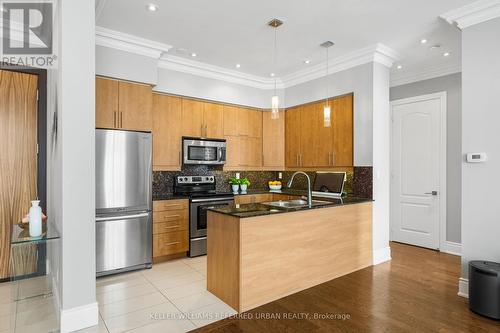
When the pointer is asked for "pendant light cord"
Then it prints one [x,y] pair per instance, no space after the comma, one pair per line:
[275,62]
[327,87]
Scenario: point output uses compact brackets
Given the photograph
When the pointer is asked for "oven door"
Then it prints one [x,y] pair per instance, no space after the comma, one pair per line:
[196,151]
[198,214]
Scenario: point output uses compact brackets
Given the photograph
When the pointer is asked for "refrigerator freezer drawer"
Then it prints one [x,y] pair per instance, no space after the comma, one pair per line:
[123,243]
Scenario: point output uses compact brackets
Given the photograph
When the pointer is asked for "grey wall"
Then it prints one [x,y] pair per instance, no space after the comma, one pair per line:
[481,133]
[358,80]
[184,84]
[452,84]
[71,155]
[126,66]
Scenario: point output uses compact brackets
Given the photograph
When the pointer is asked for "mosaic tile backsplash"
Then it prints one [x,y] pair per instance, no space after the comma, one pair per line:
[358,183]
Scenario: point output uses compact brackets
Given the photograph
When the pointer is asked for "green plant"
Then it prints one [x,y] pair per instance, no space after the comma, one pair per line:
[234,181]
[245,181]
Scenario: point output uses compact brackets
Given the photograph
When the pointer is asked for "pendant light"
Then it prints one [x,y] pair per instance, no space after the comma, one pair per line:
[327,110]
[275,101]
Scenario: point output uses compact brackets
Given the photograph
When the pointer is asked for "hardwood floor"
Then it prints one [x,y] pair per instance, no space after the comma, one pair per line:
[415,292]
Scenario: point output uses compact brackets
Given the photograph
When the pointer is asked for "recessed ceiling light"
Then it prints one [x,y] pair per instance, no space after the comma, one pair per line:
[307,62]
[193,55]
[399,67]
[446,54]
[423,41]
[272,74]
[152,7]
[238,65]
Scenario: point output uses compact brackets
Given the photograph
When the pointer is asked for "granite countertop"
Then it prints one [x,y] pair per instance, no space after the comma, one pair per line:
[169,196]
[259,209]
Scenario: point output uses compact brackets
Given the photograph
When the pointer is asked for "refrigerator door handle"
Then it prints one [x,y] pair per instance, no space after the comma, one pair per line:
[123,217]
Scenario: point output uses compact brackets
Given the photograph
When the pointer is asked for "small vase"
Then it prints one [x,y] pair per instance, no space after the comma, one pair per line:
[243,188]
[35,218]
[235,188]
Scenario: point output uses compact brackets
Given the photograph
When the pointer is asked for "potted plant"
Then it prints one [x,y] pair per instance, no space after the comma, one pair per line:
[244,183]
[235,184]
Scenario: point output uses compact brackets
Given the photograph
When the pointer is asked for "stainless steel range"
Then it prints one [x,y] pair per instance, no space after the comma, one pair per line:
[202,194]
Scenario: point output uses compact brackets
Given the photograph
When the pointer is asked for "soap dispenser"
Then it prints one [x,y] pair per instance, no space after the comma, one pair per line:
[35,225]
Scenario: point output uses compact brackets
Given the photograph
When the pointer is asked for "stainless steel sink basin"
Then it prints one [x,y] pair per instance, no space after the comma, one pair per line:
[296,203]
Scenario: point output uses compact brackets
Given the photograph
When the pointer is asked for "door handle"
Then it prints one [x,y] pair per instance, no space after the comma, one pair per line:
[114,119]
[433,192]
[333,159]
[124,217]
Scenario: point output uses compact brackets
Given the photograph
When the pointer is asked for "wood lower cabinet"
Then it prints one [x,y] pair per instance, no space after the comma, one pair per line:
[170,228]
[273,141]
[123,105]
[167,133]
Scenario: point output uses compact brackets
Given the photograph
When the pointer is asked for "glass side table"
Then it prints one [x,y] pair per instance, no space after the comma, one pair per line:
[29,259]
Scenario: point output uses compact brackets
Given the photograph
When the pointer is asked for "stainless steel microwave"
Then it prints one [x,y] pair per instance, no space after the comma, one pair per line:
[203,151]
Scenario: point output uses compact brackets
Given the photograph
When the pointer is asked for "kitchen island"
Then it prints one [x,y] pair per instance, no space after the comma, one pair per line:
[259,253]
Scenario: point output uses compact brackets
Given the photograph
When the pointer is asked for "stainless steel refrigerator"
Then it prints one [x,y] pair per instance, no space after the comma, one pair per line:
[123,201]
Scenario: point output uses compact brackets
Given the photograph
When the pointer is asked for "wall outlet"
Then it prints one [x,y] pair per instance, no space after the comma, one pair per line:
[237,175]
[280,175]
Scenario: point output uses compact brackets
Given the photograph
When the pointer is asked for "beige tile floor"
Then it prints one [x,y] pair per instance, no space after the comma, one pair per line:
[170,297]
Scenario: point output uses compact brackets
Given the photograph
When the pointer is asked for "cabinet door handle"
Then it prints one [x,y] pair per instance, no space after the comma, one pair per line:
[333,159]
[114,118]
[173,243]
[297,159]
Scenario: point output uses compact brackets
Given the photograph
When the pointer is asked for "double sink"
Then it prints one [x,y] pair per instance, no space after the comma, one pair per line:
[297,203]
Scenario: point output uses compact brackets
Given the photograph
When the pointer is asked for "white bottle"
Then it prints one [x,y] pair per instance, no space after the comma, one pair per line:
[35,219]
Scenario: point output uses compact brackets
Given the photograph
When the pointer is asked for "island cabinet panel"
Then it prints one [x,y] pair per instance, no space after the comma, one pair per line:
[264,258]
[273,141]
[253,198]
[170,228]
[167,116]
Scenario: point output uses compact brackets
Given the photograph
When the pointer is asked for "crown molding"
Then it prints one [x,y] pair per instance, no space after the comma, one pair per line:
[378,53]
[129,43]
[429,73]
[472,14]
[198,68]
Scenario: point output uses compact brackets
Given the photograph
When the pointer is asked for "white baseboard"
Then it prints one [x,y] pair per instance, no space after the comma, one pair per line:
[451,248]
[381,255]
[80,317]
[463,287]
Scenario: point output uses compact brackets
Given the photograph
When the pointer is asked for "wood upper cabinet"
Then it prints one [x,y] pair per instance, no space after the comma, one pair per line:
[251,123]
[309,143]
[135,104]
[250,151]
[342,126]
[167,117]
[273,140]
[293,131]
[232,151]
[316,139]
[202,119]
[213,119]
[123,105]
[232,120]
[192,118]
[106,103]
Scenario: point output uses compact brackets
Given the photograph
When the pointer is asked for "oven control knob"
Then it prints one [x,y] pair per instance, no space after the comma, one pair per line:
[211,179]
[185,179]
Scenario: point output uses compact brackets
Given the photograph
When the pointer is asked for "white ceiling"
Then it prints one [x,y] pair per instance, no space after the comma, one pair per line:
[226,32]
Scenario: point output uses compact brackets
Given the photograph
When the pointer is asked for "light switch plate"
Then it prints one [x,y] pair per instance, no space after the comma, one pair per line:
[237,175]
[280,175]
[476,157]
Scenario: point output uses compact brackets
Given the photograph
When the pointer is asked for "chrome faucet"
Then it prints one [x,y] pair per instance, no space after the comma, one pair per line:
[309,192]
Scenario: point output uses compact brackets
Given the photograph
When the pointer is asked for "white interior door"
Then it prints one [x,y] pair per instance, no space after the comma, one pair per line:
[418,148]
